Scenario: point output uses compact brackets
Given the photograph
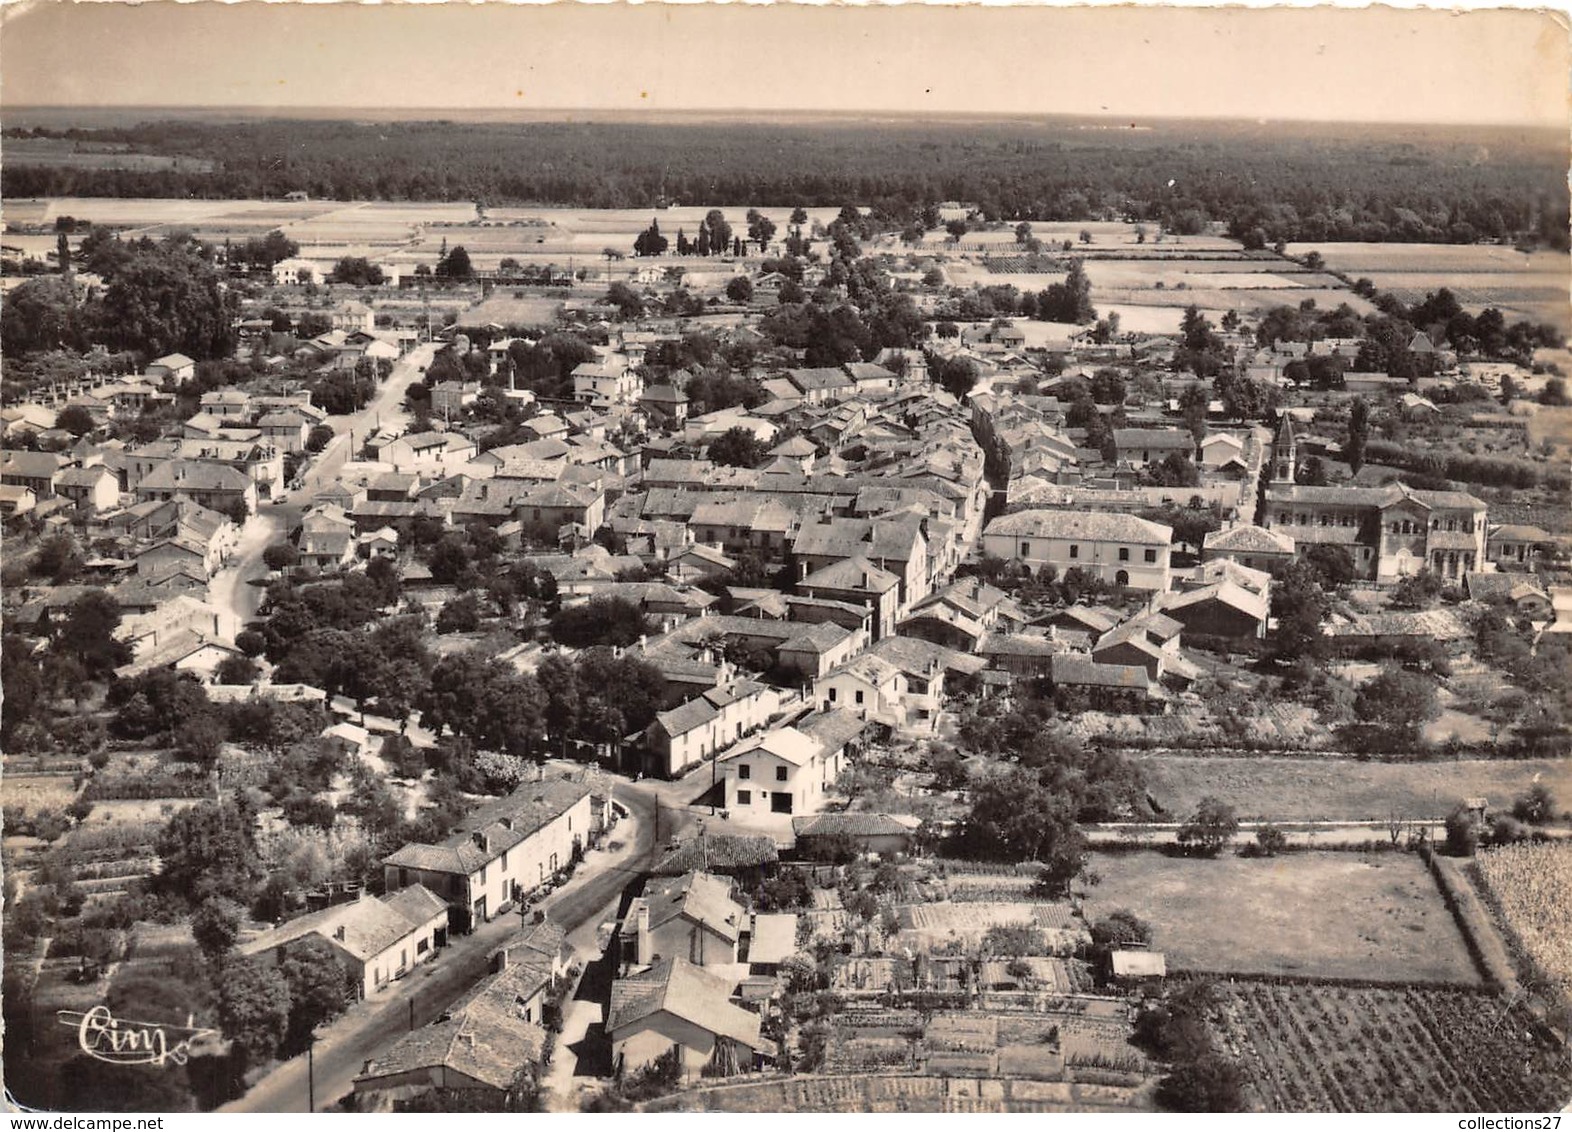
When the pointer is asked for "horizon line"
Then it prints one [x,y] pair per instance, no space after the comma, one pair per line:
[317,110]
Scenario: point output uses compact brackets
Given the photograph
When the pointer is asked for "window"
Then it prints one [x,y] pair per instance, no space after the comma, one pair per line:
[1075,551]
[745,797]
[422,946]
[744,771]
[1151,556]
[859,695]
[780,774]
[1026,550]
[1122,578]
[832,695]
[483,874]
[502,862]
[1124,554]
[537,512]
[1325,522]
[553,862]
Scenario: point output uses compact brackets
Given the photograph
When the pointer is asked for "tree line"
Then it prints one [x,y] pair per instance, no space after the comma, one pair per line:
[1266,183]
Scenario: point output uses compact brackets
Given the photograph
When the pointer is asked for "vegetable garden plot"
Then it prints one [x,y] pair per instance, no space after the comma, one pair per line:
[1309,1048]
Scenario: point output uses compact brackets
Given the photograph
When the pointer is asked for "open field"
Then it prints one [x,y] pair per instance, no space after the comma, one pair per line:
[1279,789]
[1552,424]
[1331,915]
[1408,1049]
[1524,285]
[1531,887]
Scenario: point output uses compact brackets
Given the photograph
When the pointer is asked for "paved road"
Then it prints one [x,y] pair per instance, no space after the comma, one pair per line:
[371,1027]
[231,589]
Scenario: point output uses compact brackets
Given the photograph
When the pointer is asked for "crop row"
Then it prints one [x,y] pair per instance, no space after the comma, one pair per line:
[1312,1048]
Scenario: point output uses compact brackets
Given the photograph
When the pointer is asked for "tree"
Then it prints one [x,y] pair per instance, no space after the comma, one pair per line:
[357,271]
[1399,702]
[57,559]
[599,621]
[1212,826]
[88,634]
[1023,233]
[1070,301]
[456,264]
[319,437]
[1537,806]
[1015,817]
[253,1007]
[209,850]
[718,230]
[737,447]
[200,738]
[956,376]
[1462,832]
[280,556]
[1358,434]
[740,289]
[1270,840]
[1299,606]
[761,229]
[76,420]
[216,925]
[1120,929]
[625,299]
[318,986]
[461,615]
[1209,1083]
[650,242]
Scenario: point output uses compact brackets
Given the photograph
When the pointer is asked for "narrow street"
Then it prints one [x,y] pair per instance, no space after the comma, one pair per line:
[369,1028]
[231,589]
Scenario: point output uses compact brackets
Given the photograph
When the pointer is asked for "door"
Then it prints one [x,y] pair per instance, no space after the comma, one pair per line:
[780,802]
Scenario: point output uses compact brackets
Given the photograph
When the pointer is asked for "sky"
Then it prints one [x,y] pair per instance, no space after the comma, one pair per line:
[1357,65]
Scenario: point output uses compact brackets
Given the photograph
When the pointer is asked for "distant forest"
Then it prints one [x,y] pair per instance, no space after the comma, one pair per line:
[1273,181]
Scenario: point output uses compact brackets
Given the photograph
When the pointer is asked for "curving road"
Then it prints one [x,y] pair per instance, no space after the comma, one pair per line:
[370,1028]
[232,589]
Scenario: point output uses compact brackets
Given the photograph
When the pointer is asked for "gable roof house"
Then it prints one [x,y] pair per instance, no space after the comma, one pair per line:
[702,727]
[1120,549]
[35,470]
[691,917]
[677,1005]
[378,939]
[483,1041]
[503,850]
[783,771]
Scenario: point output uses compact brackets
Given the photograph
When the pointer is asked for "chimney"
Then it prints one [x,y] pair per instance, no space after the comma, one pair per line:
[338,933]
[644,933]
[506,823]
[482,842]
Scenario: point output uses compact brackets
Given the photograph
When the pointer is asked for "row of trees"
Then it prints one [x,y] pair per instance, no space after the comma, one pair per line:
[1267,184]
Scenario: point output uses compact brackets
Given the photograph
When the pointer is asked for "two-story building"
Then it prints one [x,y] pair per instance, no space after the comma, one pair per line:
[503,850]
[1122,550]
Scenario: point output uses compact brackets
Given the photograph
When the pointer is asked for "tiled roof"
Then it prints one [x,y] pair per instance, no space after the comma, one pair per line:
[1069,668]
[505,823]
[370,925]
[718,852]
[677,987]
[1248,539]
[696,896]
[1089,525]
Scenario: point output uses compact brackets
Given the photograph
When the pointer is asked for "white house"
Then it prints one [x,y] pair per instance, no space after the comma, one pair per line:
[377,940]
[1123,550]
[782,771]
[502,850]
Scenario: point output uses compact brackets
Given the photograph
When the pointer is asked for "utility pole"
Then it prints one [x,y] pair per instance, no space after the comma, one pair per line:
[311,1074]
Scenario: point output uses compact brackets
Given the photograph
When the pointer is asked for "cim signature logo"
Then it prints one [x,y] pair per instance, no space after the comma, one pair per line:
[119,1042]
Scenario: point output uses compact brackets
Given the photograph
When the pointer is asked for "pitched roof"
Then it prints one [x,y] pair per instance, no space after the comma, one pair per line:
[718,852]
[1097,526]
[698,897]
[1073,669]
[504,823]
[370,925]
[675,986]
[1247,538]
[855,573]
